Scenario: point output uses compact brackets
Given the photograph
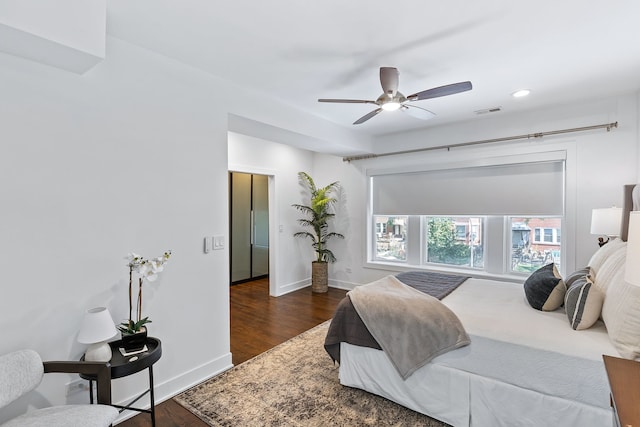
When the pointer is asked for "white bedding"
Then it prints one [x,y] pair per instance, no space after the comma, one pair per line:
[499,310]
[523,367]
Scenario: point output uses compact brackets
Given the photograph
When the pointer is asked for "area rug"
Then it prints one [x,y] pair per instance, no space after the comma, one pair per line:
[293,384]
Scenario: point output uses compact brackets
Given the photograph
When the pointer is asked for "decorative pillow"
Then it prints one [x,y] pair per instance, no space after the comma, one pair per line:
[583,303]
[602,254]
[621,314]
[578,274]
[545,289]
[610,267]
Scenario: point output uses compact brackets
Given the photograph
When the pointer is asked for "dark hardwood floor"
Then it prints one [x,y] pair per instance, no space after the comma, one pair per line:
[258,323]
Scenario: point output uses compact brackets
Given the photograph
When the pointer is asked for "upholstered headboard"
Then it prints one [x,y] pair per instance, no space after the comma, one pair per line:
[631,202]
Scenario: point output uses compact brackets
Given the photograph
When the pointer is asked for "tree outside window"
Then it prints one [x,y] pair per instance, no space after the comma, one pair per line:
[454,241]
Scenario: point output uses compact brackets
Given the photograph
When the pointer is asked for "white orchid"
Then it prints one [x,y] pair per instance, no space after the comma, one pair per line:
[134,259]
[146,270]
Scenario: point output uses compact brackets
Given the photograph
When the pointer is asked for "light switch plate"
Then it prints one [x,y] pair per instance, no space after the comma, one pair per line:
[218,242]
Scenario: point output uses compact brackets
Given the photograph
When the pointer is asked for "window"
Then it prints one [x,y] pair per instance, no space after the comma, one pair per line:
[454,241]
[509,208]
[547,235]
[391,238]
[534,242]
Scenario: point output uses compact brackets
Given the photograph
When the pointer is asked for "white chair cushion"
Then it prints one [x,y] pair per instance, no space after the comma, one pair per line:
[20,372]
[67,416]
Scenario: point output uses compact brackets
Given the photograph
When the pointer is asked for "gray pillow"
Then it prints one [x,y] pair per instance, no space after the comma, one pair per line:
[578,274]
[583,303]
[545,289]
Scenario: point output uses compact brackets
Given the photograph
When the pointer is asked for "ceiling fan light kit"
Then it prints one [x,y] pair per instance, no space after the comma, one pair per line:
[392,100]
[391,105]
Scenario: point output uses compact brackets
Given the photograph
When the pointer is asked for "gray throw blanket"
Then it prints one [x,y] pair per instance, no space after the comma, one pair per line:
[411,327]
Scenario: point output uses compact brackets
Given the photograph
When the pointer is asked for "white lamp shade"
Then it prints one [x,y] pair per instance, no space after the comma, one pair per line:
[606,221]
[632,267]
[97,326]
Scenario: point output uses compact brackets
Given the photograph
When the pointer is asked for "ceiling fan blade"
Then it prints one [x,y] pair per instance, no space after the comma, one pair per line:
[389,78]
[441,91]
[417,112]
[367,116]
[348,101]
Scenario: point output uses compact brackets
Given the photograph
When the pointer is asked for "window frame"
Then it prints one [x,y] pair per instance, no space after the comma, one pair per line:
[497,240]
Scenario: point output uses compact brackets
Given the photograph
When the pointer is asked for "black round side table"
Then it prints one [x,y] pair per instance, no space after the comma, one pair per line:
[122,366]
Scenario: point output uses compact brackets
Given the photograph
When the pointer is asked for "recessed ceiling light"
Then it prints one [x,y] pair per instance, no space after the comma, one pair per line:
[520,93]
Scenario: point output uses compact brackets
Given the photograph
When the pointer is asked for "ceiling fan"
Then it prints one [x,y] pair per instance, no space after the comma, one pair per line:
[391,99]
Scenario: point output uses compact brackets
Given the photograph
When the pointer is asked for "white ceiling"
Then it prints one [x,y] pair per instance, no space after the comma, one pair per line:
[302,50]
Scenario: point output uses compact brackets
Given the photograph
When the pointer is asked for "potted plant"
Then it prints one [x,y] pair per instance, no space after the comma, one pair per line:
[318,214]
[134,331]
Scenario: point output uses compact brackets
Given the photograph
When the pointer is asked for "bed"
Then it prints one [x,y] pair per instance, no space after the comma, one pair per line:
[524,366]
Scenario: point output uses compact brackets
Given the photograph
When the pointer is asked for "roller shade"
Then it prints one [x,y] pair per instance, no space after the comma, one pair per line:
[514,189]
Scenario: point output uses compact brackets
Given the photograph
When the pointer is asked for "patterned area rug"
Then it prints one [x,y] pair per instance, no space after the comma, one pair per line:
[293,384]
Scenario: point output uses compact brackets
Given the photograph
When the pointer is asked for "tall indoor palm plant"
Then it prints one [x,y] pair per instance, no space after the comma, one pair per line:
[318,214]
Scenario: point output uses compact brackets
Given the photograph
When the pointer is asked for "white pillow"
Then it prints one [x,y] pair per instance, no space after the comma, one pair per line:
[603,253]
[610,267]
[621,315]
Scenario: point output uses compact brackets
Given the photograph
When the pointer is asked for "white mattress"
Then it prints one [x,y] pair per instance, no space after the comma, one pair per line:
[499,310]
[522,365]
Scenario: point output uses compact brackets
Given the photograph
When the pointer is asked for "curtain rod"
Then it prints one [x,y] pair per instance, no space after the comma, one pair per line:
[607,126]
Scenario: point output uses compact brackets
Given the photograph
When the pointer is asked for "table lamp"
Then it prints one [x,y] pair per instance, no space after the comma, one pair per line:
[97,327]
[632,266]
[606,222]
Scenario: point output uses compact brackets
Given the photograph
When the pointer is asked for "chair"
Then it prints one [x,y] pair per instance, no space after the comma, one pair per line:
[22,371]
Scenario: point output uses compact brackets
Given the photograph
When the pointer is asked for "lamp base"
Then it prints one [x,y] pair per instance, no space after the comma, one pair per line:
[98,352]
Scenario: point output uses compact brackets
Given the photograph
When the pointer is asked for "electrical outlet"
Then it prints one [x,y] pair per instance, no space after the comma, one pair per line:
[77,386]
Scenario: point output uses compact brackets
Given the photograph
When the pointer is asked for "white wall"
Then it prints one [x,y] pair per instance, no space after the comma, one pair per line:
[599,163]
[130,156]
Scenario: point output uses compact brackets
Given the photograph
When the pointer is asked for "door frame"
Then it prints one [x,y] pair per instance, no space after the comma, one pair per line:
[273,226]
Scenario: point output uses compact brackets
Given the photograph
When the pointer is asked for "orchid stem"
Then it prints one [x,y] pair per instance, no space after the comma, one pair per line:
[139,314]
[130,296]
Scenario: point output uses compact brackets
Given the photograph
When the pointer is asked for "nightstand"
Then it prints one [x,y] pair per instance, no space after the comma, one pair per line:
[122,366]
[624,381]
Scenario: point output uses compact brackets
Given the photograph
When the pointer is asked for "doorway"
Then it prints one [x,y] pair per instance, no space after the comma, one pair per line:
[249,226]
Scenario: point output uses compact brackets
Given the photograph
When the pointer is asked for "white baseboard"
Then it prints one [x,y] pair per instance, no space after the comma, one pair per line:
[338,284]
[282,290]
[169,388]
[341,284]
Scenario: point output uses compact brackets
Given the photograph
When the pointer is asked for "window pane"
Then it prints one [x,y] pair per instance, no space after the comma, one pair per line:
[391,238]
[455,241]
[534,242]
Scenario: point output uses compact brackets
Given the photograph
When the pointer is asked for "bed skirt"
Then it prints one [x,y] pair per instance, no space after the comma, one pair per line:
[463,399]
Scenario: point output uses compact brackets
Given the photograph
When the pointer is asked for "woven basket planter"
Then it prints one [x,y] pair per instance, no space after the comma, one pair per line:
[319,277]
